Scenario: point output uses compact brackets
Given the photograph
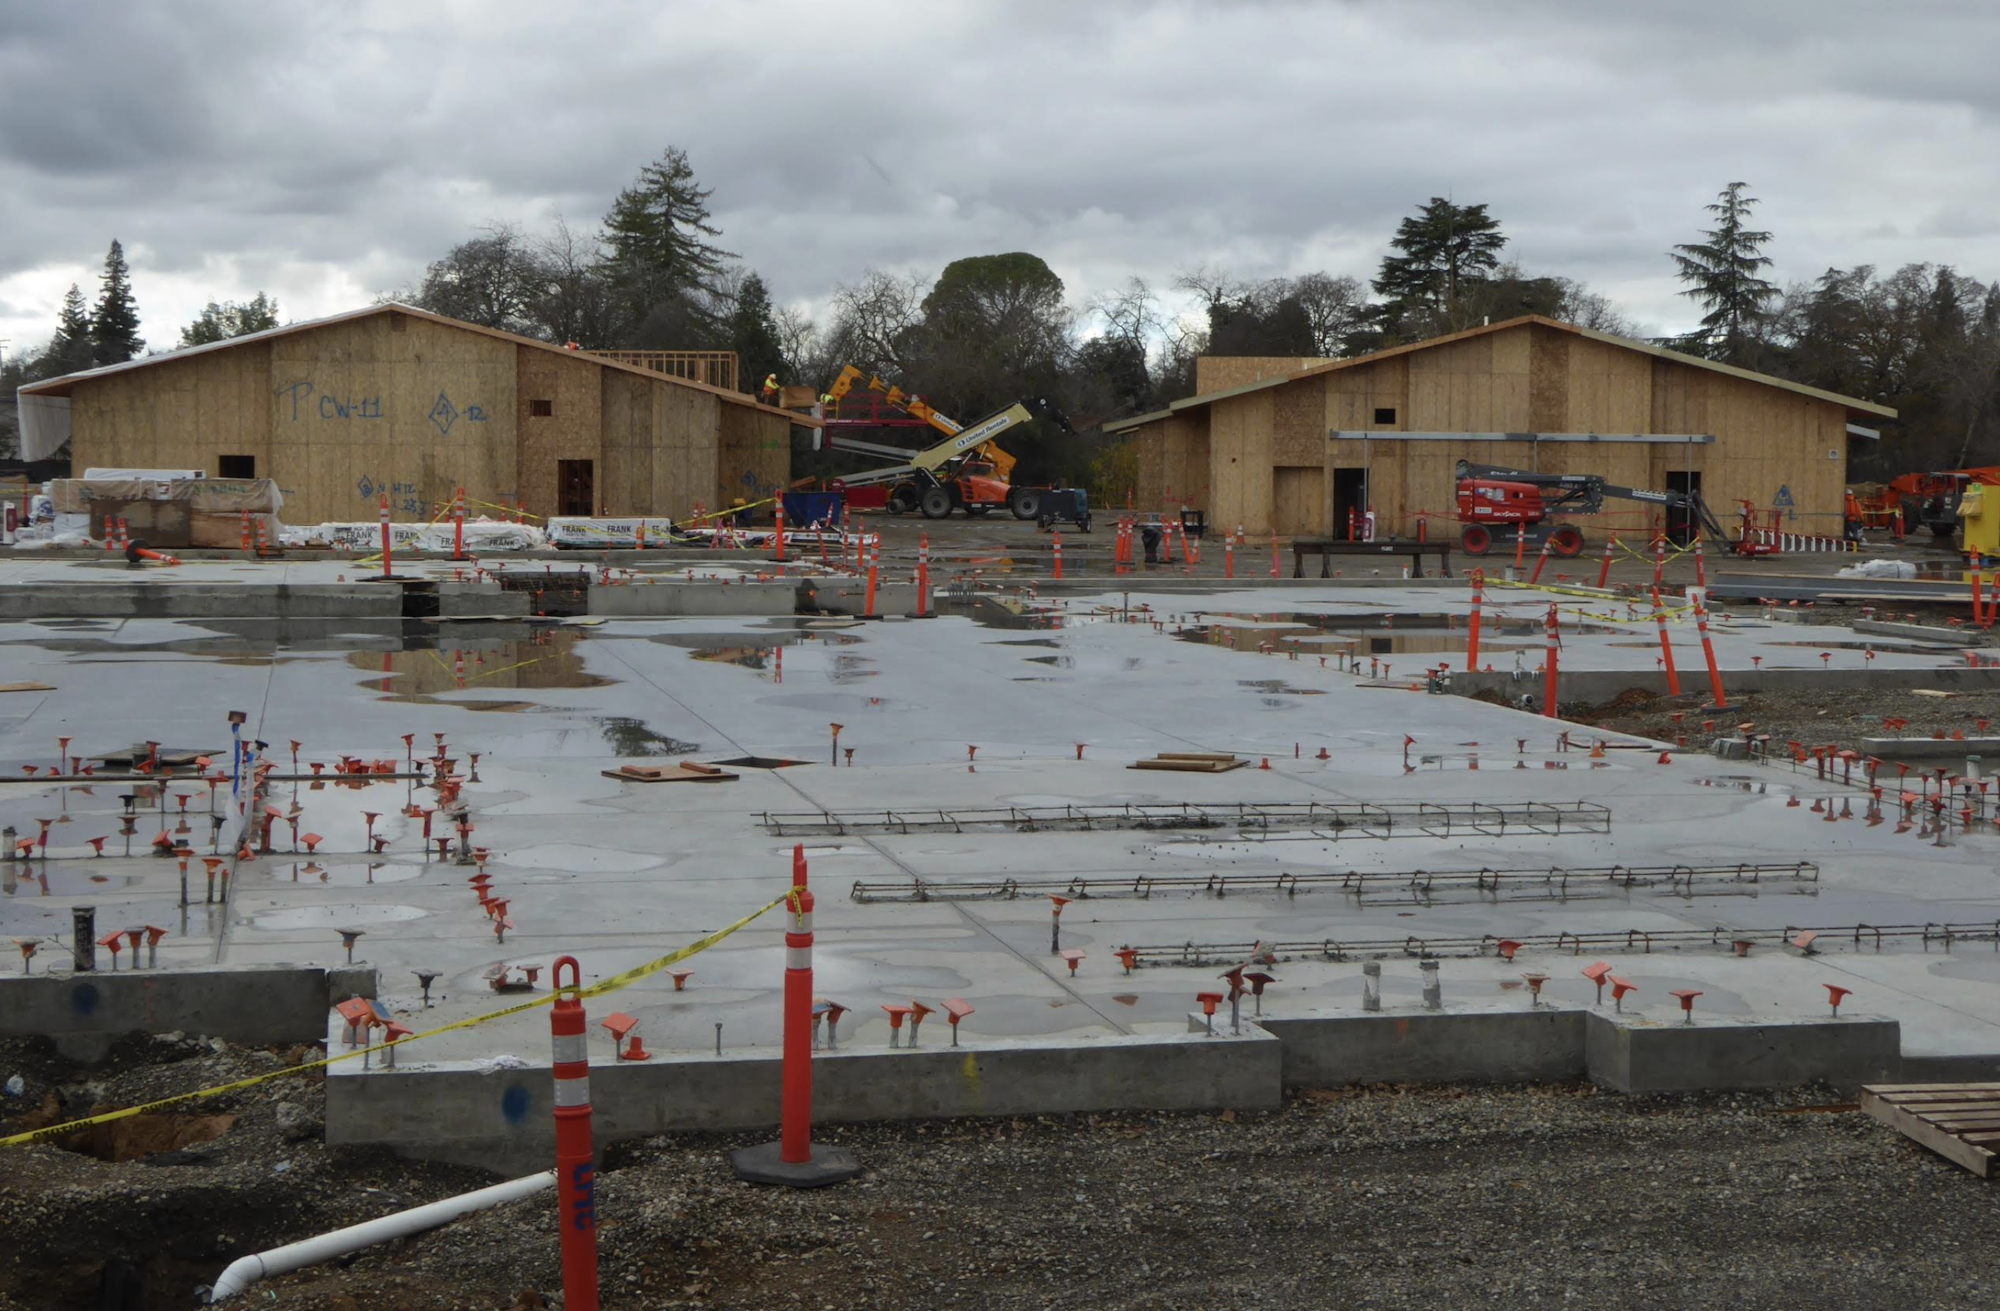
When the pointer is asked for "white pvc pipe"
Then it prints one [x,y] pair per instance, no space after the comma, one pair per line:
[246,1271]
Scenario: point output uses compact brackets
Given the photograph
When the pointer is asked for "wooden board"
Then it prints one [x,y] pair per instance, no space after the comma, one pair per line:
[27,687]
[1191,764]
[1958,1121]
[683,772]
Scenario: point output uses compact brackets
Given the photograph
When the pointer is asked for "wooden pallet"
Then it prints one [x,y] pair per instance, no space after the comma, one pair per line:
[1958,1121]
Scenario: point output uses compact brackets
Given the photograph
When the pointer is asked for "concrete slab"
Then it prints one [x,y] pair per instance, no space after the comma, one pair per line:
[618,873]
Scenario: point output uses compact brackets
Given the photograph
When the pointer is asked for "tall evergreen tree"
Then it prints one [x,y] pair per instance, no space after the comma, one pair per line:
[1445,249]
[753,335]
[656,243]
[114,329]
[72,349]
[1721,273]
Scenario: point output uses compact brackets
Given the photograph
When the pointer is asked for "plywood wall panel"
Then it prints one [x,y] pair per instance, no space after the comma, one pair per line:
[570,431]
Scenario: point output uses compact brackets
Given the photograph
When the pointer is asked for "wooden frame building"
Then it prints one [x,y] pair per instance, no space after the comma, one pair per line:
[1290,446]
[391,399]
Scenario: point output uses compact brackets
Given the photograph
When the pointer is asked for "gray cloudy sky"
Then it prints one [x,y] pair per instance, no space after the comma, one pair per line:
[324,152]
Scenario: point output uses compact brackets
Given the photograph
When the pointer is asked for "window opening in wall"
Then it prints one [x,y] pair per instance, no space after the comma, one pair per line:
[236,466]
[541,409]
[1385,415]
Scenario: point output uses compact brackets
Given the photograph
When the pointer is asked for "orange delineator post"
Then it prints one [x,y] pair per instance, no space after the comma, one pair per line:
[1541,559]
[1472,639]
[860,544]
[778,517]
[458,526]
[1274,555]
[386,571]
[1549,686]
[1659,557]
[246,532]
[873,550]
[1604,574]
[795,1103]
[576,1172]
[1708,652]
[1700,570]
[1666,647]
[1228,556]
[1520,545]
[1056,546]
[923,576]
[1190,549]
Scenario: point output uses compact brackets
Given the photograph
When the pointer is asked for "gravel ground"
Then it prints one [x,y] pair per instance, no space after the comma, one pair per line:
[1379,1198]
[1816,718]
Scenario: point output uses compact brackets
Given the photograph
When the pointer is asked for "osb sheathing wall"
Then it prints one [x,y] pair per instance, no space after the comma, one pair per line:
[179,414]
[570,431]
[389,404]
[340,414]
[1268,450]
[755,458]
[1214,373]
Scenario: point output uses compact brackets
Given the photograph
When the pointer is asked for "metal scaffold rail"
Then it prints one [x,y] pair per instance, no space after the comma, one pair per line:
[1806,941]
[1394,819]
[1553,882]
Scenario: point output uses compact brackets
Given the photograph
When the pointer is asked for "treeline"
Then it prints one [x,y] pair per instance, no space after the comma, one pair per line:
[991,329]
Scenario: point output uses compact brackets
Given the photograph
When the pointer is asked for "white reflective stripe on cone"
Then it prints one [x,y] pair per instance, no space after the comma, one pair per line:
[802,923]
[573,1092]
[570,1047]
[798,958]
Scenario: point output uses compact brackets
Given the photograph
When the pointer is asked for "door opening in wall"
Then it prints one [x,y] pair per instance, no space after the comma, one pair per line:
[236,466]
[576,487]
[1681,527]
[1350,493]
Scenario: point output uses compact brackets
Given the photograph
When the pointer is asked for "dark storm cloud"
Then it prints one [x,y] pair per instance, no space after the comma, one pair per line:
[327,152]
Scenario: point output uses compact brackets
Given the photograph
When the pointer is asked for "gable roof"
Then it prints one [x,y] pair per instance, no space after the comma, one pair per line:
[1851,403]
[61,386]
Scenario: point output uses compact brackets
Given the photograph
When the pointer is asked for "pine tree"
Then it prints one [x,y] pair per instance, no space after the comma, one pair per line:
[1445,248]
[1721,273]
[72,350]
[753,335]
[655,240]
[114,329]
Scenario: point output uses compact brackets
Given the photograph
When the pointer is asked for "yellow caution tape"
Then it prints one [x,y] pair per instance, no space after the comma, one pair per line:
[597,989]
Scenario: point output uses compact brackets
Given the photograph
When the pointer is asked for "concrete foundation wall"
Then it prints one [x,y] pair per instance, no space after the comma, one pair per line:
[503,1121]
[84,1013]
[1725,1053]
[1480,1045]
[136,600]
[672,598]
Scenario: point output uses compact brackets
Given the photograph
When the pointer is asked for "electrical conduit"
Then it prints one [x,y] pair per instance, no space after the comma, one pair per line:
[311,1251]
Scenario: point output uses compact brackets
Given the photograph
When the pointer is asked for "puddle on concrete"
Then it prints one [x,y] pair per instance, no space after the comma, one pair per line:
[347,874]
[335,917]
[631,737]
[424,676]
[66,881]
[1029,641]
[1386,634]
[1101,664]
[1277,685]
[740,639]
[1125,998]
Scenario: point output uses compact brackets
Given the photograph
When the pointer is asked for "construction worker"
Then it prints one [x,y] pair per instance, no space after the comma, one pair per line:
[828,405]
[1851,513]
[770,389]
